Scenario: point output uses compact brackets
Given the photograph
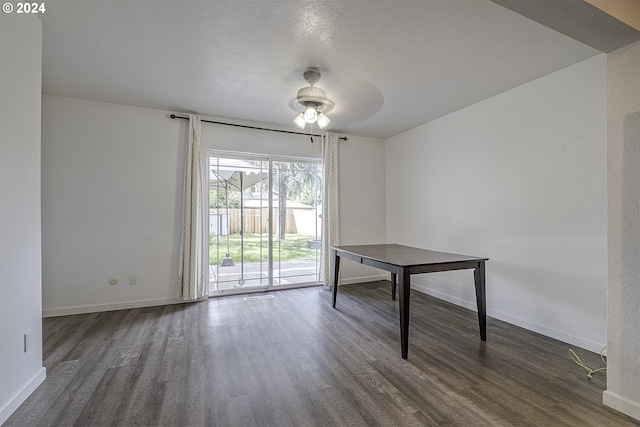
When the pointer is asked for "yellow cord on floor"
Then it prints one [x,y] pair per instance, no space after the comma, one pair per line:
[590,371]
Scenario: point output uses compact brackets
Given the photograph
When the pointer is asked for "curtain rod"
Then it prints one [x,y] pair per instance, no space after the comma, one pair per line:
[173,116]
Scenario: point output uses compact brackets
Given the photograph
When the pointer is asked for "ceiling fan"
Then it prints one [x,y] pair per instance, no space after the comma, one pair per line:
[314,100]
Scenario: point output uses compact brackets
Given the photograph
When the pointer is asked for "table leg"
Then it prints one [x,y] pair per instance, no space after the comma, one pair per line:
[405,291]
[481,299]
[394,280]
[335,276]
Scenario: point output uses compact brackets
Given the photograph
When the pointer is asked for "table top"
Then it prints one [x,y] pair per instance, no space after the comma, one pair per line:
[405,256]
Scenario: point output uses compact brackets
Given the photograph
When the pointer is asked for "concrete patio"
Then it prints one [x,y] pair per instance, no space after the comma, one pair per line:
[256,274]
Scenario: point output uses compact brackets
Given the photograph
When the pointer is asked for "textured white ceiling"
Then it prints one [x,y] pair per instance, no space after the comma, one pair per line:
[389,65]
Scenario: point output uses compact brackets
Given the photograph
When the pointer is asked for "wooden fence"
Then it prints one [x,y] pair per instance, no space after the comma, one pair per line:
[256,220]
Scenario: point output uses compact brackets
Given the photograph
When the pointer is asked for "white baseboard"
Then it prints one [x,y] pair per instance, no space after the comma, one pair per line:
[22,394]
[619,403]
[95,308]
[471,305]
[363,279]
[505,317]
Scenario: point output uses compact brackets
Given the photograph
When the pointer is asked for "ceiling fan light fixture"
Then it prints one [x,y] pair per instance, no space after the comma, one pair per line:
[314,100]
[323,120]
[300,121]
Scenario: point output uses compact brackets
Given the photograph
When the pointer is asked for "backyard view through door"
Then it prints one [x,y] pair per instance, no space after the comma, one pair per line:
[264,223]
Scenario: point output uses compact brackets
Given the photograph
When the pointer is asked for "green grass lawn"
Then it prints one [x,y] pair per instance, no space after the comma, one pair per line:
[256,248]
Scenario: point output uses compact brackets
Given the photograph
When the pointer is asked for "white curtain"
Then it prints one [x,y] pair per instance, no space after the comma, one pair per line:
[192,273]
[330,206]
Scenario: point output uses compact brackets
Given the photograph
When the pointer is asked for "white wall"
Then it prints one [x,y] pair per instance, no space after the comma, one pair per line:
[111,205]
[20,272]
[112,198]
[519,178]
[623,369]
[362,203]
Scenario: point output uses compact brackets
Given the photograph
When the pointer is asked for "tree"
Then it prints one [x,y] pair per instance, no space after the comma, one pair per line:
[298,182]
[219,197]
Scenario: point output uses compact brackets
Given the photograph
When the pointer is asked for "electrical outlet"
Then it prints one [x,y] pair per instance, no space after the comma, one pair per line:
[133,280]
[27,341]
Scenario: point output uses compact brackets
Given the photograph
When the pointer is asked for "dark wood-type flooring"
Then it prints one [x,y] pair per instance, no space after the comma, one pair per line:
[292,360]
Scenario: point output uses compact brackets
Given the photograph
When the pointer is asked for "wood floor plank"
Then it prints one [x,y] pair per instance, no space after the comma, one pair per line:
[292,360]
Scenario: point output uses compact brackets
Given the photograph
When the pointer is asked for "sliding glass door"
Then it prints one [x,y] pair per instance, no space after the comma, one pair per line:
[298,202]
[238,237]
[264,226]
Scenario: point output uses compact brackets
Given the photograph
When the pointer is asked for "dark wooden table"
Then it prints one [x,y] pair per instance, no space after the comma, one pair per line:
[402,262]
